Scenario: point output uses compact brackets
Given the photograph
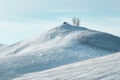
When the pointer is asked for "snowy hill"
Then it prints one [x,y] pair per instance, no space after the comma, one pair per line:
[59,46]
[52,36]
[64,35]
[2,46]
[103,68]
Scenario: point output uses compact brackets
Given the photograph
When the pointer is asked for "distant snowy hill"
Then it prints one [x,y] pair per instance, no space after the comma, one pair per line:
[2,46]
[103,68]
[59,46]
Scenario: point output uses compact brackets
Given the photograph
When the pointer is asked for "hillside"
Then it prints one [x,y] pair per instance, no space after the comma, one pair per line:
[103,68]
[62,35]
[62,45]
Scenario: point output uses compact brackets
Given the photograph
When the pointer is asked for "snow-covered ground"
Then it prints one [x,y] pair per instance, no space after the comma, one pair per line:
[2,46]
[103,68]
[62,45]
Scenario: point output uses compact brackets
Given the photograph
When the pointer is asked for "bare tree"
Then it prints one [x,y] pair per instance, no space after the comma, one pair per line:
[76,21]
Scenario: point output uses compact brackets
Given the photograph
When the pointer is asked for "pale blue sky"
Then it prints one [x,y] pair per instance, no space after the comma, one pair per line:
[21,19]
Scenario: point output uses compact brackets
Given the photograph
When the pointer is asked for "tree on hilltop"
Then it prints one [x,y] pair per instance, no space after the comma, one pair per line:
[76,21]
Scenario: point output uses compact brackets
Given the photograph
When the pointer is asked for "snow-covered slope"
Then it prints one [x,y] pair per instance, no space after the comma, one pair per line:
[2,46]
[103,68]
[59,46]
[43,41]
[66,35]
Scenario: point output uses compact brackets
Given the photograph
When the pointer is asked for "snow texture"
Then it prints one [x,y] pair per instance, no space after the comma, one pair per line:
[62,45]
[2,46]
[103,68]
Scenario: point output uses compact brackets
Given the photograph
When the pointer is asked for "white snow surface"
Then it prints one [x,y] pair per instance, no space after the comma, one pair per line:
[102,68]
[62,45]
[2,46]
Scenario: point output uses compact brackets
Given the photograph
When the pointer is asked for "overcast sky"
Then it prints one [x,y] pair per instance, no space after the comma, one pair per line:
[21,19]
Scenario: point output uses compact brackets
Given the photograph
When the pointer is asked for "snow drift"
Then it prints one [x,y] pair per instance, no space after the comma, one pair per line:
[103,68]
[59,46]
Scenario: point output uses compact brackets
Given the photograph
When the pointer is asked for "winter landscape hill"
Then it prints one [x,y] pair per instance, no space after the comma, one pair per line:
[59,46]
